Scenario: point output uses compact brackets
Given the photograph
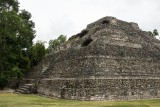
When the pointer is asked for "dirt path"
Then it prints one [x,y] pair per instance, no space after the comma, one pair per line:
[7,90]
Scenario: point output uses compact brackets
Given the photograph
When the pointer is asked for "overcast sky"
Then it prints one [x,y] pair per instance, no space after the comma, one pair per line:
[69,17]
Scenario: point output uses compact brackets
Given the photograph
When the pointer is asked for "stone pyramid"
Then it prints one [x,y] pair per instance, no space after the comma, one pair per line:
[109,60]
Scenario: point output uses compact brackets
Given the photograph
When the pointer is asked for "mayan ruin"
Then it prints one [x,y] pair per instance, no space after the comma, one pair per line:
[109,60]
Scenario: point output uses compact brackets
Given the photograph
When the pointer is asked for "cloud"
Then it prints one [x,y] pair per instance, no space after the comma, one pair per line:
[68,17]
[62,26]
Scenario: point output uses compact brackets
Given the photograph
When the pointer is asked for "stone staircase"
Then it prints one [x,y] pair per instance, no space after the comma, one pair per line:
[26,89]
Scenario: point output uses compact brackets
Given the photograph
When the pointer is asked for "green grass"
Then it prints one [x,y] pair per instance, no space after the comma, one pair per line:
[17,100]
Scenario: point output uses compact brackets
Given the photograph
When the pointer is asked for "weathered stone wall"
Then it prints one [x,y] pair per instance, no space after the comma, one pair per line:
[109,60]
[101,88]
[113,61]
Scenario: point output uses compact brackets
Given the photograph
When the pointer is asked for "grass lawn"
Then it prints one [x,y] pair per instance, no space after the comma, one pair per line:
[17,100]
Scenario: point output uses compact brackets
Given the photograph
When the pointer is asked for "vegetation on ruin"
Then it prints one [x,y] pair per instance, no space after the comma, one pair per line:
[154,33]
[15,100]
[56,42]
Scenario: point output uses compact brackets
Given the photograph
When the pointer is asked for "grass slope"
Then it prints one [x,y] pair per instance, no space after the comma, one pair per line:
[15,100]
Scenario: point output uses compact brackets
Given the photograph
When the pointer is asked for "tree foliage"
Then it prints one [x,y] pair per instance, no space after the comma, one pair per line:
[4,79]
[18,54]
[16,38]
[37,53]
[154,33]
[9,5]
[56,42]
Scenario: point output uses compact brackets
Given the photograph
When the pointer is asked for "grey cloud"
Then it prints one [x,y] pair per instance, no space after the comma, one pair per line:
[55,17]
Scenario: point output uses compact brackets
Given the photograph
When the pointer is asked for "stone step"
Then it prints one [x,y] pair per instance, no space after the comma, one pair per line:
[28,84]
[25,89]
[21,91]
[16,92]
[22,88]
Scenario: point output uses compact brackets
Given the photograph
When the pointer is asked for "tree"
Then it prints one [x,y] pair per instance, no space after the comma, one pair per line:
[9,5]
[154,33]
[16,37]
[62,39]
[150,33]
[37,53]
[54,43]
[4,79]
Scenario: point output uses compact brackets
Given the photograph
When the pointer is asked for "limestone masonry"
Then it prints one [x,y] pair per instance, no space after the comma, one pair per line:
[109,60]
